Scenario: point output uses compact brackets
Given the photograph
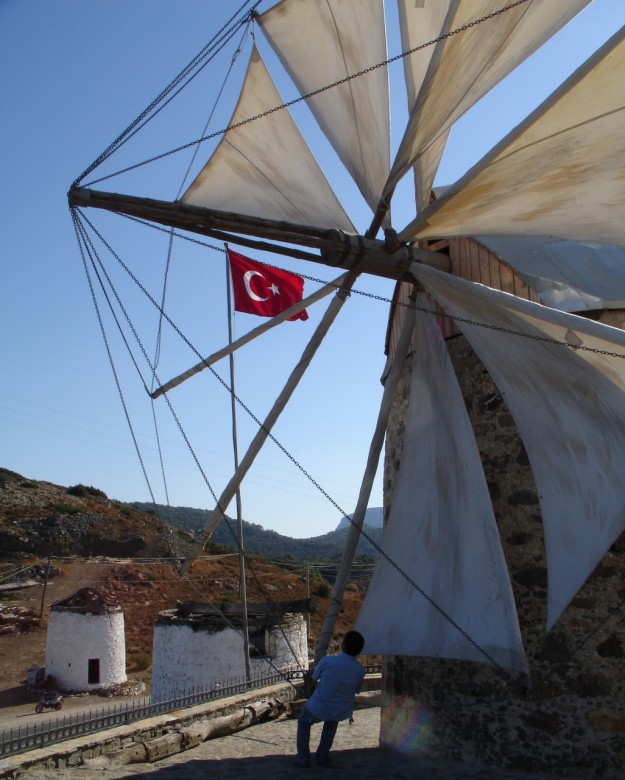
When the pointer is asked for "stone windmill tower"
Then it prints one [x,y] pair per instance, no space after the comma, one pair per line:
[85,645]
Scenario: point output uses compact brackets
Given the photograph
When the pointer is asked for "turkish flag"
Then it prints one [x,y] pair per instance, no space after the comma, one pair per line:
[263,290]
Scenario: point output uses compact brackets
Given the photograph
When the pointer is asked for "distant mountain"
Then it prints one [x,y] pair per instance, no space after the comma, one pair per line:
[274,545]
[374,518]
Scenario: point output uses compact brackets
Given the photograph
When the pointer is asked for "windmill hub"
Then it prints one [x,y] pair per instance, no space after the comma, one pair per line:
[390,258]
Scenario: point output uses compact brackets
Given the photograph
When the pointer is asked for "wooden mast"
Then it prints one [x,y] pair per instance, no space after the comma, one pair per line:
[389,259]
[235,452]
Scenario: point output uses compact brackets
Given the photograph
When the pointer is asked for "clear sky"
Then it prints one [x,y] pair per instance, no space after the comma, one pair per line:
[74,74]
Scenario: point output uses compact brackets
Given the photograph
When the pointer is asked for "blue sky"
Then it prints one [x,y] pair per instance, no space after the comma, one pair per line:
[74,75]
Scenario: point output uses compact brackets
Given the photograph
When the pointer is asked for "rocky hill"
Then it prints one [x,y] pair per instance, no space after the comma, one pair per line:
[374,518]
[40,518]
[121,551]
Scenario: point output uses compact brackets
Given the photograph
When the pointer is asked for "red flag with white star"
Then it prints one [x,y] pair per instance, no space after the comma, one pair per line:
[263,290]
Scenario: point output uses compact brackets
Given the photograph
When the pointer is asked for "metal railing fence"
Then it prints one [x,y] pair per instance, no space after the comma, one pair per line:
[64,727]
[33,736]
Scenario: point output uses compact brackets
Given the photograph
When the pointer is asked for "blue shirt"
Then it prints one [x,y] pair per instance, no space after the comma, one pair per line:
[339,680]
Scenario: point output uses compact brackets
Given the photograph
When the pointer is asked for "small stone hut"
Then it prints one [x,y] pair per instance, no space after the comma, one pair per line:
[198,646]
[85,645]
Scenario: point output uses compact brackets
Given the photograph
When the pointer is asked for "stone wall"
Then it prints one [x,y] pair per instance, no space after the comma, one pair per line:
[189,657]
[572,718]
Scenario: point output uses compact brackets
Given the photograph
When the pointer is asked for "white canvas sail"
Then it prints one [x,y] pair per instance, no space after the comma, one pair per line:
[419,24]
[441,524]
[569,407]
[559,173]
[320,42]
[266,169]
[465,67]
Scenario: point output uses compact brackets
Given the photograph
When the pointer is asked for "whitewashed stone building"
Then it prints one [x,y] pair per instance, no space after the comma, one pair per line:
[85,645]
[198,646]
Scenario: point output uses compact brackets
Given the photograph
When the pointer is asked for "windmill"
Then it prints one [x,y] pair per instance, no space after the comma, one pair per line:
[557,175]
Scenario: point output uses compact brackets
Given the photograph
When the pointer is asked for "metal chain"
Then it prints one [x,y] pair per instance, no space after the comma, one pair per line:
[299,466]
[130,131]
[408,305]
[88,243]
[308,95]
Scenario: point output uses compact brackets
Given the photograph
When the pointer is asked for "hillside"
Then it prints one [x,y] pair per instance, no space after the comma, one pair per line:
[115,548]
[269,543]
[40,518]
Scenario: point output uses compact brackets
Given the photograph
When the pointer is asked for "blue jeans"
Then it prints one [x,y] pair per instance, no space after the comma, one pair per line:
[304,723]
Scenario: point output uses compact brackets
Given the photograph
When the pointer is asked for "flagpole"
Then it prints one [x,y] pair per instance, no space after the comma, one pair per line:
[264,431]
[242,587]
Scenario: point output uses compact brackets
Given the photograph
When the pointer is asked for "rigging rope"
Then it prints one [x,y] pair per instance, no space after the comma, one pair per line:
[91,252]
[383,299]
[295,462]
[83,248]
[194,65]
[308,95]
[169,256]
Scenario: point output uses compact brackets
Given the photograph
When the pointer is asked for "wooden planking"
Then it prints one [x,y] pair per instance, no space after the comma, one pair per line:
[507,278]
[469,260]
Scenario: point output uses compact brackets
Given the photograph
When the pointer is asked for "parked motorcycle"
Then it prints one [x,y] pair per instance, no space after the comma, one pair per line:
[53,701]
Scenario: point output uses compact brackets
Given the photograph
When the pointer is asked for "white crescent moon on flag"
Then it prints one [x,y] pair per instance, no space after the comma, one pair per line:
[246,280]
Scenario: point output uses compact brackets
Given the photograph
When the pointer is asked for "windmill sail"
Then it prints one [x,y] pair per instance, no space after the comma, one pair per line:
[569,407]
[419,25]
[265,168]
[566,275]
[559,173]
[321,43]
[463,68]
[441,524]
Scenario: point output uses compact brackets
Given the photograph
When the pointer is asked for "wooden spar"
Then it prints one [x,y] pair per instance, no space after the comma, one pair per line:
[337,248]
[358,254]
[240,342]
[375,448]
[355,528]
[263,433]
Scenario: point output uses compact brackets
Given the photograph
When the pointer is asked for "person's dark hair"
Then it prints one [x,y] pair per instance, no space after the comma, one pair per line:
[353,642]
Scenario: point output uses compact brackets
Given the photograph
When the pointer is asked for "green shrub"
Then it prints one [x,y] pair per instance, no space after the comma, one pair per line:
[139,662]
[321,587]
[83,491]
[7,476]
[66,509]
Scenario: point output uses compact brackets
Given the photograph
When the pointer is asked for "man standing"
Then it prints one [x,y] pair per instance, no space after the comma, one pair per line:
[339,678]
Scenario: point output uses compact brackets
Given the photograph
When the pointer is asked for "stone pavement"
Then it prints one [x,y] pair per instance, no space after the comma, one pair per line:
[266,750]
